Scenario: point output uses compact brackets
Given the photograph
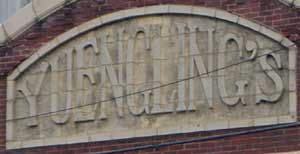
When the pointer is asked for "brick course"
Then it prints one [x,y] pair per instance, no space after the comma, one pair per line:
[269,12]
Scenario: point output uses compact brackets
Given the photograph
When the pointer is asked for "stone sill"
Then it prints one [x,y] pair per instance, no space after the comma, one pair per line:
[111,136]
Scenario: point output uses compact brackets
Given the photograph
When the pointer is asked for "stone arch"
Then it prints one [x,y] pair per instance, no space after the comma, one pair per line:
[145,11]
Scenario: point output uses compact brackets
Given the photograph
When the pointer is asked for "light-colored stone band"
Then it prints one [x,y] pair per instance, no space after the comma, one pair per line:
[108,136]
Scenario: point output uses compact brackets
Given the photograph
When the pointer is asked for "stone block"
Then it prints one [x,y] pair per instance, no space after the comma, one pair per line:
[226,16]
[68,35]
[112,17]
[20,21]
[45,7]
[10,93]
[293,102]
[100,137]
[168,130]
[271,34]
[287,43]
[77,139]
[32,143]
[287,2]
[24,65]
[292,80]
[265,121]
[90,25]
[249,24]
[202,11]
[146,132]
[158,9]
[134,12]
[123,134]
[13,145]
[241,123]
[12,76]
[286,119]
[214,125]
[297,3]
[185,9]
[192,128]
[55,141]
[292,57]
[45,49]
[3,36]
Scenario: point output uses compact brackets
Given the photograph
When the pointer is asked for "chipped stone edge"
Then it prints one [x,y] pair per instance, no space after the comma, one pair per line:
[24,25]
[163,9]
[43,13]
[111,136]
[19,22]
[291,3]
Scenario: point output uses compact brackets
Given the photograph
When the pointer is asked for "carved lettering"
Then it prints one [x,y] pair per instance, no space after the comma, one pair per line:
[153,73]
[108,74]
[196,62]
[273,75]
[58,117]
[181,68]
[31,97]
[231,101]
[84,113]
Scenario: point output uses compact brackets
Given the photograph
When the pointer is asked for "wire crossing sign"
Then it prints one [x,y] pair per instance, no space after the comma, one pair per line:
[75,77]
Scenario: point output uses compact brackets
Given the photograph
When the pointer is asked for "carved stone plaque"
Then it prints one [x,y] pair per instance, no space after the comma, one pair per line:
[150,75]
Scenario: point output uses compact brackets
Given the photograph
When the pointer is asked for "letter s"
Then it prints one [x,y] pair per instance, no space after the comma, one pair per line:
[269,71]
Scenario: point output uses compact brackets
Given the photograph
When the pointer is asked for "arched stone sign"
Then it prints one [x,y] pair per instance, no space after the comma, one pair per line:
[247,78]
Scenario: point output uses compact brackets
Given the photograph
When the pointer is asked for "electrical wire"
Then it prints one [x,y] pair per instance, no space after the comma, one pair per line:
[142,91]
[95,67]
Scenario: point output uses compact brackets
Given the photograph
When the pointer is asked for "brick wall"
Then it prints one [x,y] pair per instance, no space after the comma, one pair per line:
[269,12]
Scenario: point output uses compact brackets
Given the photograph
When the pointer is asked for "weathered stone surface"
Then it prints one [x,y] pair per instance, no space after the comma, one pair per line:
[16,23]
[143,53]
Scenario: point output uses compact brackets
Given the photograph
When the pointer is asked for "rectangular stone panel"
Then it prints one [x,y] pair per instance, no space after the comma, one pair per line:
[151,75]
